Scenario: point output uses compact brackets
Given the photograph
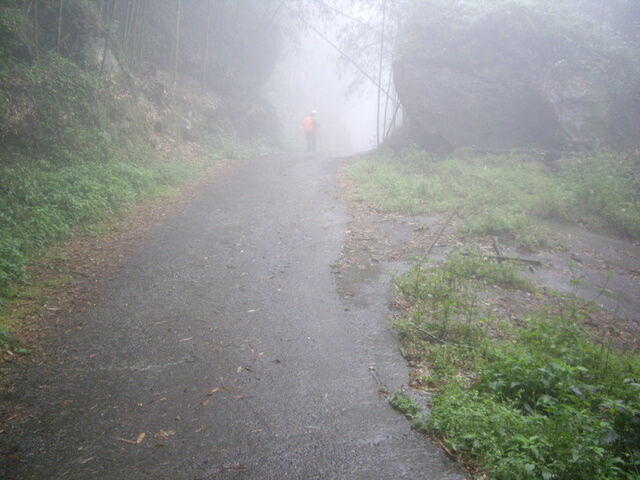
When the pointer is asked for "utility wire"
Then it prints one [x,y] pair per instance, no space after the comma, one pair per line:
[349,59]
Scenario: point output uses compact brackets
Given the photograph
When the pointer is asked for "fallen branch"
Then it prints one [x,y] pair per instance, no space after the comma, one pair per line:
[502,258]
[429,335]
[529,151]
[440,340]
[496,247]
[124,440]
[435,240]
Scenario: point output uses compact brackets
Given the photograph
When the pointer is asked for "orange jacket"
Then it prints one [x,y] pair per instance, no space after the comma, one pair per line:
[309,124]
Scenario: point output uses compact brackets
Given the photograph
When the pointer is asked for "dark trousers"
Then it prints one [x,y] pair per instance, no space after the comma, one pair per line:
[311,141]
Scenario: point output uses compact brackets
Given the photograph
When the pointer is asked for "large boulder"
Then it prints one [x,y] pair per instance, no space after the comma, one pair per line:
[508,77]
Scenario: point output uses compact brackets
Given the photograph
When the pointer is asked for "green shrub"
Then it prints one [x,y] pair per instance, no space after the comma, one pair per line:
[448,279]
[11,261]
[534,416]
[478,425]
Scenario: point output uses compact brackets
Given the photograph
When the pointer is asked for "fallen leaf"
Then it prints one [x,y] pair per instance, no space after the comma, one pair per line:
[239,369]
[124,440]
[205,403]
[198,430]
[162,435]
[140,437]
[211,391]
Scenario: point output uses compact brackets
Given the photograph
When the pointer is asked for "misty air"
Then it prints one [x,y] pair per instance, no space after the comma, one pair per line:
[320,239]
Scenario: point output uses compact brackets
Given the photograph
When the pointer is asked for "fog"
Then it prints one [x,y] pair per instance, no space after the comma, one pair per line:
[187,290]
[308,77]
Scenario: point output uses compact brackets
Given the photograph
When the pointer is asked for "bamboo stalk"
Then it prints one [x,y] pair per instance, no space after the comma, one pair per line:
[206,45]
[176,43]
[59,26]
[36,37]
[384,18]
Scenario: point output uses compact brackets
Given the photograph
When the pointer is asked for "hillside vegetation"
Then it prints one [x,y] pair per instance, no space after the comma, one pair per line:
[104,103]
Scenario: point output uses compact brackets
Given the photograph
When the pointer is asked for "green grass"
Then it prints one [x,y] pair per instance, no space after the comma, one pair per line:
[41,204]
[533,399]
[410,409]
[502,195]
[44,202]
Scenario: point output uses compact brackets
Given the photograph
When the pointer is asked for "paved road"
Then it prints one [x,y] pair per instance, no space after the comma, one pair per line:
[225,341]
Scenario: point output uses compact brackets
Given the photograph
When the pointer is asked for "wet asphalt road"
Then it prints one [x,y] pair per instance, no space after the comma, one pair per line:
[226,342]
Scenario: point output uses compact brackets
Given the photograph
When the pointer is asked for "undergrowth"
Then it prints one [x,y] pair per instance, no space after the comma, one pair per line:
[532,399]
[502,195]
[76,148]
[41,203]
[45,202]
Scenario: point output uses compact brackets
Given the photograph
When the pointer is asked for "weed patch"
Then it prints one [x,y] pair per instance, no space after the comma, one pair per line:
[536,398]
[502,195]
[410,409]
[41,206]
[44,202]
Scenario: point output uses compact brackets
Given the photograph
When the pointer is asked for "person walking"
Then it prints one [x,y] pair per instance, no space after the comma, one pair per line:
[310,126]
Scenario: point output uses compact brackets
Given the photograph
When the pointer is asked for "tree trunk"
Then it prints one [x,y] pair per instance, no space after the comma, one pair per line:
[384,19]
[386,105]
[141,29]
[220,35]
[59,26]
[133,33]
[127,21]
[392,123]
[106,41]
[176,43]
[206,45]
[36,38]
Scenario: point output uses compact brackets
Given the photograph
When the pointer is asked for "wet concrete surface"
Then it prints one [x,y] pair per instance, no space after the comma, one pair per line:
[226,342]
[595,267]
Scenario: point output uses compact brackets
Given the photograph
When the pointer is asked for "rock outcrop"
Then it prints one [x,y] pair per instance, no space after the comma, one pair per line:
[511,77]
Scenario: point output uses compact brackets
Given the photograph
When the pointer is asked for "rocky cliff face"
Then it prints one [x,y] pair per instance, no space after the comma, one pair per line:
[510,77]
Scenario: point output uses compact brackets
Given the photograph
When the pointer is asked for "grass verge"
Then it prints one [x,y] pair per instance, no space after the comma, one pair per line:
[502,195]
[43,203]
[520,387]
[534,397]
